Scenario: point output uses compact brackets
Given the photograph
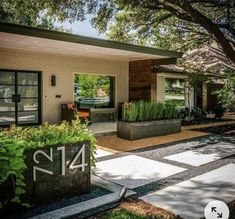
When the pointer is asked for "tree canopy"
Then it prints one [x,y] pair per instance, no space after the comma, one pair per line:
[177,24]
[173,24]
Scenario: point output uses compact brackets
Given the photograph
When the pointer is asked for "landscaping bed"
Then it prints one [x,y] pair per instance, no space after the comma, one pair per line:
[220,129]
[204,121]
[136,209]
[142,119]
[35,210]
[139,130]
[44,164]
[231,206]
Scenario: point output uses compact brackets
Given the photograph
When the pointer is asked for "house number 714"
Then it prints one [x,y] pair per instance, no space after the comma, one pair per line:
[71,164]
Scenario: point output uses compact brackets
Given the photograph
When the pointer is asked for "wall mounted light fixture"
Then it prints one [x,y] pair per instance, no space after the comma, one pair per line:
[53,80]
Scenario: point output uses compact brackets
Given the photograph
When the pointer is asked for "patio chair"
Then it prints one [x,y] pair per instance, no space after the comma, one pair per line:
[69,111]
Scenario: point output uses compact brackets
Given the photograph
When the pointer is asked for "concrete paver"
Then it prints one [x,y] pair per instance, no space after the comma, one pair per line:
[204,155]
[189,198]
[134,171]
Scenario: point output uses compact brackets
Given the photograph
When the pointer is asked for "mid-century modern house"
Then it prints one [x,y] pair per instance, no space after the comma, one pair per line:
[211,60]
[41,69]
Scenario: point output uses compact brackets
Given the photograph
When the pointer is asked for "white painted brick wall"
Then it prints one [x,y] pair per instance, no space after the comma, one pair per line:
[64,67]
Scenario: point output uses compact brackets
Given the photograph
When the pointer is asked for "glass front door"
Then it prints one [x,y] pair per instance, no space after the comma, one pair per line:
[19,97]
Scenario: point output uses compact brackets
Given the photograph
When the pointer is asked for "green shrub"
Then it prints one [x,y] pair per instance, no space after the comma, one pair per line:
[16,140]
[146,111]
[12,166]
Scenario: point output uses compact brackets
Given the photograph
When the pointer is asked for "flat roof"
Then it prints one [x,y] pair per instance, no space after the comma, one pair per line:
[15,36]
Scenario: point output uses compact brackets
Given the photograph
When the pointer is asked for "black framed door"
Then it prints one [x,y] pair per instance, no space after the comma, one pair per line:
[20,97]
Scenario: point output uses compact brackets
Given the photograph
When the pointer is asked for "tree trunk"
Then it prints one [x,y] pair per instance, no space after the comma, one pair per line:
[212,28]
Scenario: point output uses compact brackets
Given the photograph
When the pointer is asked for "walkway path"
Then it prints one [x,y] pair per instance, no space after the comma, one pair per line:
[182,177]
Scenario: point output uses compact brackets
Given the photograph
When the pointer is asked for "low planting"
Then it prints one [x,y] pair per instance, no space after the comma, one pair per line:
[138,111]
[15,141]
[196,115]
[142,119]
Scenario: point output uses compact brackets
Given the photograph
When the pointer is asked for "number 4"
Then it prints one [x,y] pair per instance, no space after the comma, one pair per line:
[72,165]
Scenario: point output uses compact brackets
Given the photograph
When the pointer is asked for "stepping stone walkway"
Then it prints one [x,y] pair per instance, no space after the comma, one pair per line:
[102,153]
[182,177]
[204,155]
[134,171]
[189,198]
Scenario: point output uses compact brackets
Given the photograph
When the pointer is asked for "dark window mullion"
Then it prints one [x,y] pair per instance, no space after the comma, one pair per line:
[16,93]
[7,111]
[26,98]
[28,85]
[25,111]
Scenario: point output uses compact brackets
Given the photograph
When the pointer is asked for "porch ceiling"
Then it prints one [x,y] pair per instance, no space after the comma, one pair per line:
[14,36]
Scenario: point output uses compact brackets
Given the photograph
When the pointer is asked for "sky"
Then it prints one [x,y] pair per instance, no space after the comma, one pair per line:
[83,28]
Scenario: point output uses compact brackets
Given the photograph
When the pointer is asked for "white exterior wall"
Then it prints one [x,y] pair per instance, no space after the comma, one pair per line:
[161,78]
[161,88]
[64,68]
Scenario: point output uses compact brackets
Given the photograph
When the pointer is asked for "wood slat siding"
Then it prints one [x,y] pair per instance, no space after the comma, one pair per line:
[140,78]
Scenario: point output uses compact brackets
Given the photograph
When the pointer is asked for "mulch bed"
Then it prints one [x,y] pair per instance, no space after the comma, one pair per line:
[222,129]
[205,121]
[231,206]
[141,208]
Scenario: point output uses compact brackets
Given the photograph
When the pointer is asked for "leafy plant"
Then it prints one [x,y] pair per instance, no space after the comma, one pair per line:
[226,94]
[145,111]
[198,114]
[184,113]
[219,111]
[15,141]
[12,168]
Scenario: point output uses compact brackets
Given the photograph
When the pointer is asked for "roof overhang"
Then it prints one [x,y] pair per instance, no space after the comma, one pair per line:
[14,36]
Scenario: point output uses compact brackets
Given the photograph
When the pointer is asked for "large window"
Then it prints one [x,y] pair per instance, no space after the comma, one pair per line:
[175,91]
[94,91]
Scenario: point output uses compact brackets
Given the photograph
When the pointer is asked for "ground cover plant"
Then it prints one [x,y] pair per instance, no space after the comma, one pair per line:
[146,111]
[15,141]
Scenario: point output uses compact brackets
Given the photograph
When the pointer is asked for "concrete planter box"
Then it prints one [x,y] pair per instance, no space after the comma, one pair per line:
[138,130]
[57,172]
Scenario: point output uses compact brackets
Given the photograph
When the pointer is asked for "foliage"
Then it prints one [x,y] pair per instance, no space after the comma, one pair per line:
[226,94]
[194,84]
[166,24]
[18,139]
[89,84]
[169,24]
[134,26]
[12,166]
[176,102]
[219,111]
[196,114]
[31,13]
[144,111]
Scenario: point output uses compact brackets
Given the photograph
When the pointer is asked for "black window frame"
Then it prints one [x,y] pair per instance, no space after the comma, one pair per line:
[39,96]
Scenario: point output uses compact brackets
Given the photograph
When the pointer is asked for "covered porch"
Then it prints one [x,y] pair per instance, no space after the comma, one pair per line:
[42,69]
